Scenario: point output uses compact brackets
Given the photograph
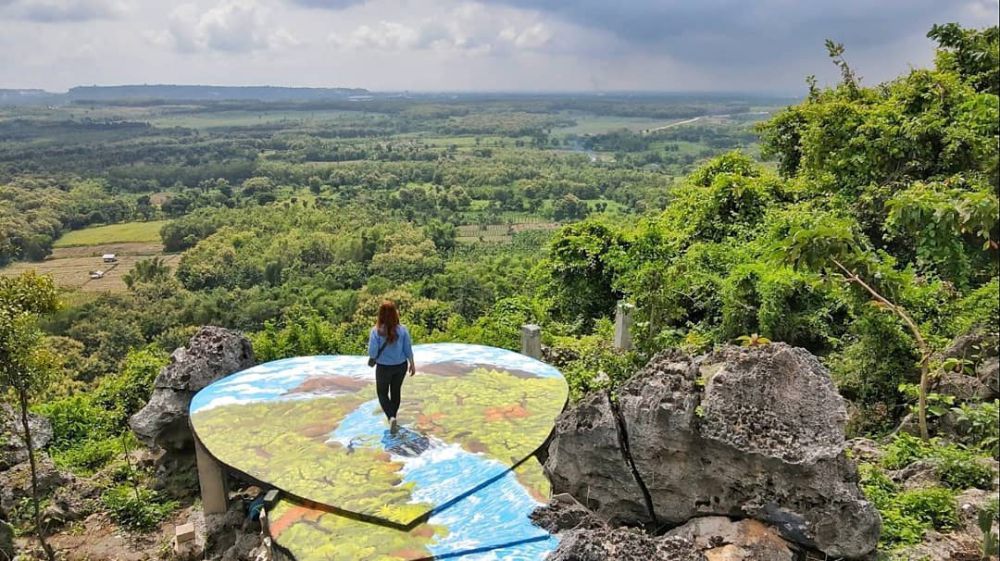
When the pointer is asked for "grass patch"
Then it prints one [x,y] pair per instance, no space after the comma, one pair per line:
[113,233]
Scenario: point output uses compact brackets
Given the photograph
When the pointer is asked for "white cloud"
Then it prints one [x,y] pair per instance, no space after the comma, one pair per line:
[234,26]
[49,11]
[470,28]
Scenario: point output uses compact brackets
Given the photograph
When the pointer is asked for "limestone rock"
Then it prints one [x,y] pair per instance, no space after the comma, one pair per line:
[15,483]
[212,353]
[722,539]
[622,544]
[941,547]
[586,461]
[745,433]
[6,541]
[983,346]
[13,449]
[964,387]
[563,512]
[988,372]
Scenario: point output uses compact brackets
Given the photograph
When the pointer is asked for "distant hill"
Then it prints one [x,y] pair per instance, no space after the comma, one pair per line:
[27,97]
[206,93]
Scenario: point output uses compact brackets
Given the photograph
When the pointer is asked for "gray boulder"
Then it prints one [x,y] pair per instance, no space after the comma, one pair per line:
[212,353]
[745,433]
[13,449]
[622,544]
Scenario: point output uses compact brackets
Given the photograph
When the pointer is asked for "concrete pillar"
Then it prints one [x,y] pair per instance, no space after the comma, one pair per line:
[212,480]
[623,326]
[531,341]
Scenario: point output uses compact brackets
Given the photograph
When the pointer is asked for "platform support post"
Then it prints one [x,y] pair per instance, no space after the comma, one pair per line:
[531,341]
[212,480]
[623,326]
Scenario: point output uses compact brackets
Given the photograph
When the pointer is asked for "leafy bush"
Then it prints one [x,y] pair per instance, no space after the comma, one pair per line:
[980,426]
[957,468]
[596,364]
[124,393]
[88,456]
[904,450]
[76,419]
[934,506]
[136,509]
[961,469]
[907,515]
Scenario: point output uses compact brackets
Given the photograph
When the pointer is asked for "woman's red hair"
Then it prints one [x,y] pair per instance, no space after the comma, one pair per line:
[388,320]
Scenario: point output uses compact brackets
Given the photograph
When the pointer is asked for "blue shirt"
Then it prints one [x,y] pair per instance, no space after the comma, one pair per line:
[397,352]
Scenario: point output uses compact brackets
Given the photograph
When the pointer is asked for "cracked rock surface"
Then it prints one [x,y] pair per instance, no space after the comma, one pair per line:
[742,432]
[213,352]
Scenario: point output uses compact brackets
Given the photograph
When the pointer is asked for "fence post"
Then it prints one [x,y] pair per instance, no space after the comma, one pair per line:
[212,480]
[623,326]
[531,341]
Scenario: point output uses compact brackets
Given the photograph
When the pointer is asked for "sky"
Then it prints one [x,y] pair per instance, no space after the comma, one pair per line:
[765,46]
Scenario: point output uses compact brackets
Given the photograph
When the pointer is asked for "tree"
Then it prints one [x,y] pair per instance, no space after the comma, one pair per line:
[147,270]
[829,244]
[25,367]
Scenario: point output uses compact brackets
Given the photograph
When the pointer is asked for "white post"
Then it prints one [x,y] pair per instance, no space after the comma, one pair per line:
[531,341]
[212,480]
[623,326]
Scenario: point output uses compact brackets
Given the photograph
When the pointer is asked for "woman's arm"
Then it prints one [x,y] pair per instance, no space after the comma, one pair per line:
[408,351]
[372,344]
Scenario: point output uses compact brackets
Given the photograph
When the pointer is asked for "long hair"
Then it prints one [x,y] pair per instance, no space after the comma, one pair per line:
[388,320]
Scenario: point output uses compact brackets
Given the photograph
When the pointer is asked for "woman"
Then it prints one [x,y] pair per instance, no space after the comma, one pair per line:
[390,348]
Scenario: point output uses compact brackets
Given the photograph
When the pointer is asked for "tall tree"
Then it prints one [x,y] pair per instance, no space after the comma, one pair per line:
[25,367]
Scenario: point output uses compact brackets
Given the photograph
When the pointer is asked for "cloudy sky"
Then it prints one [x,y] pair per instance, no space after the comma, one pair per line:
[494,45]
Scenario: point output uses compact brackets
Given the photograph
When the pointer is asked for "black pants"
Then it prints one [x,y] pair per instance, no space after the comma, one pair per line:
[388,383]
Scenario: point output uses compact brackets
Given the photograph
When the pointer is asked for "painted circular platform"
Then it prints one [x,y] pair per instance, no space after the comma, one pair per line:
[440,485]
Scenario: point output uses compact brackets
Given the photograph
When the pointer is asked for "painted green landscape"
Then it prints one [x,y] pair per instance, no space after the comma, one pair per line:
[320,436]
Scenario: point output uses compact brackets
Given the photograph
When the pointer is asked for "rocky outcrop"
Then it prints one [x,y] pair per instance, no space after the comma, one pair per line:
[723,539]
[13,449]
[981,347]
[15,483]
[211,353]
[743,433]
[623,544]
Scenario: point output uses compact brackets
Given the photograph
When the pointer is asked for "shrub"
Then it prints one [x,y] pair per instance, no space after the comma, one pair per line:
[961,469]
[934,506]
[88,456]
[980,425]
[957,468]
[597,363]
[136,509]
[904,450]
[124,393]
[75,420]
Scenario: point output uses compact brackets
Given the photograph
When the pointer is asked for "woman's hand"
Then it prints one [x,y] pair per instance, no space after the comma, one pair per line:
[413,368]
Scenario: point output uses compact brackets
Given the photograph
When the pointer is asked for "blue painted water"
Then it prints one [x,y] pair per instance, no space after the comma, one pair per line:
[494,515]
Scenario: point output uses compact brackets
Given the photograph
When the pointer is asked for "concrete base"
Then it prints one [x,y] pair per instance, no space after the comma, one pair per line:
[212,480]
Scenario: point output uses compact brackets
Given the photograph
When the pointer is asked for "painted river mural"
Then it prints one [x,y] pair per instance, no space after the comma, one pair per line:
[441,486]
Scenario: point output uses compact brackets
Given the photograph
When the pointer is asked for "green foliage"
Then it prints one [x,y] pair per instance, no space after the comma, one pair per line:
[957,468]
[124,393]
[907,515]
[583,260]
[594,363]
[136,509]
[973,53]
[310,336]
[979,424]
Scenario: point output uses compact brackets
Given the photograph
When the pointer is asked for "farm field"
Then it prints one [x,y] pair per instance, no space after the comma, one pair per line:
[71,267]
[146,232]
